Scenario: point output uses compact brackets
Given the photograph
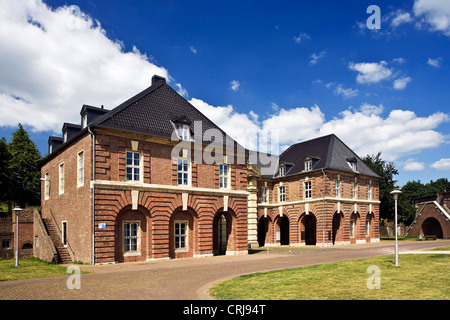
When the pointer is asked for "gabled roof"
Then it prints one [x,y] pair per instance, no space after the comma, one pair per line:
[327,152]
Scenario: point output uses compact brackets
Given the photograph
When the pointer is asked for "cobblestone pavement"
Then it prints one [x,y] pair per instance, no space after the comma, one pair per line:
[188,279]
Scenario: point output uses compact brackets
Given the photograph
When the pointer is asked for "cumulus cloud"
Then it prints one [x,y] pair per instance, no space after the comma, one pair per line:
[412,165]
[54,60]
[434,62]
[400,17]
[371,72]
[315,57]
[443,164]
[434,14]
[301,37]
[234,85]
[401,83]
[345,92]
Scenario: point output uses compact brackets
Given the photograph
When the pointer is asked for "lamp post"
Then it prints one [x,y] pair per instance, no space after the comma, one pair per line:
[395,193]
[16,211]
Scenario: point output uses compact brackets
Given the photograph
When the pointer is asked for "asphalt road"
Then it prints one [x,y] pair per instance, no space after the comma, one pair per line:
[187,279]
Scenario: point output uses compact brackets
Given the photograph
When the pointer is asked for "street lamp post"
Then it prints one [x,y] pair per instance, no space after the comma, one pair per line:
[395,193]
[16,211]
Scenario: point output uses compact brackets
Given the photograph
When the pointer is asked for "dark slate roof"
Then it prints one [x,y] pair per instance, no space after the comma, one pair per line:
[155,111]
[327,152]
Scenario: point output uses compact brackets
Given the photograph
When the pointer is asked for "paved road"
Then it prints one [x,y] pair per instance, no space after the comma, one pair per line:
[187,279]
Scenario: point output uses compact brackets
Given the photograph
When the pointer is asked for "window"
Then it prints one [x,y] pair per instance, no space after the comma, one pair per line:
[282,194]
[367,228]
[6,244]
[80,169]
[223,176]
[130,237]
[133,166]
[282,171]
[354,190]
[369,192]
[337,189]
[64,233]
[181,235]
[46,186]
[308,190]
[352,227]
[184,132]
[308,165]
[65,136]
[183,172]
[265,195]
[61,178]
[84,121]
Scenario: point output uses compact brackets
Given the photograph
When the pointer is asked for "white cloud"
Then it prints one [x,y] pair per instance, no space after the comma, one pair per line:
[193,50]
[443,164]
[54,60]
[182,91]
[434,62]
[399,60]
[371,72]
[433,13]
[412,165]
[401,83]
[346,93]
[234,85]
[400,17]
[315,57]
[301,37]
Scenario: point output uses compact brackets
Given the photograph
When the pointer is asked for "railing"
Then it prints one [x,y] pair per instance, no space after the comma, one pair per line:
[68,246]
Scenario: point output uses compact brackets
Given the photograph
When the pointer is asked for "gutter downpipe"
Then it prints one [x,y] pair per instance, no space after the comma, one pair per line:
[323,210]
[93,194]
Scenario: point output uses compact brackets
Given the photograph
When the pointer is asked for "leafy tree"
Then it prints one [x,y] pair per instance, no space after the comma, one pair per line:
[24,169]
[387,171]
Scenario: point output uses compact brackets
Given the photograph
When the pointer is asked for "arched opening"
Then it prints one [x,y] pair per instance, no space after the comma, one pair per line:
[263,231]
[182,242]
[432,227]
[223,239]
[354,227]
[27,246]
[283,231]
[369,227]
[337,227]
[308,232]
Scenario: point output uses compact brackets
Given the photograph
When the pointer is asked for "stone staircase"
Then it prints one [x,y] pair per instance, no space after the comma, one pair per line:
[62,253]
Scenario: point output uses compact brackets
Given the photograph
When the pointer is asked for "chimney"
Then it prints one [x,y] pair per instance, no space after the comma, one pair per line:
[156,79]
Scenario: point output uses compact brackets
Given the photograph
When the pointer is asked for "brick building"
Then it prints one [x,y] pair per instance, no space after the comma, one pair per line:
[8,234]
[432,216]
[155,179]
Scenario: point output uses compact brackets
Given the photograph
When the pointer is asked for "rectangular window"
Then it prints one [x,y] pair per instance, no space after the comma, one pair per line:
[184,132]
[337,189]
[80,169]
[282,194]
[369,192]
[354,190]
[180,235]
[183,172]
[64,233]
[308,165]
[282,171]
[6,244]
[61,178]
[367,228]
[265,194]
[130,237]
[352,227]
[133,166]
[223,176]
[46,186]
[308,190]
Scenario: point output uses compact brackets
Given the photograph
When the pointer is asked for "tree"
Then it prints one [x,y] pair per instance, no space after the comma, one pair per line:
[386,170]
[5,177]
[24,169]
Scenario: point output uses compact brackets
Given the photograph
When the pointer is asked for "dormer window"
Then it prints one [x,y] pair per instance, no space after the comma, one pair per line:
[352,163]
[308,164]
[184,132]
[84,121]
[282,171]
[65,136]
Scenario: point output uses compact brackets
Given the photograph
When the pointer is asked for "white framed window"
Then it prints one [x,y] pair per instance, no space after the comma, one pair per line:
[354,190]
[308,189]
[352,164]
[181,236]
[224,176]
[281,194]
[282,171]
[61,178]
[80,169]
[367,228]
[369,192]
[133,167]
[46,186]
[184,132]
[265,195]
[130,237]
[308,165]
[337,189]
[352,226]
[65,136]
[183,172]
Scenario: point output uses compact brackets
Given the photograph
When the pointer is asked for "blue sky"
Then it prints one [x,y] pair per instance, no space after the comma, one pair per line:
[301,69]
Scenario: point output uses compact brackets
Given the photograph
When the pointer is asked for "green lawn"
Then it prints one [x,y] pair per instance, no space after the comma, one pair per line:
[419,277]
[30,268]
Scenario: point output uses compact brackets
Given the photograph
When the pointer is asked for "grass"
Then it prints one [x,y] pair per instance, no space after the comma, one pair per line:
[30,268]
[419,277]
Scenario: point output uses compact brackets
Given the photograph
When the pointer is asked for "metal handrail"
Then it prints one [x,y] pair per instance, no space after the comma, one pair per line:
[72,253]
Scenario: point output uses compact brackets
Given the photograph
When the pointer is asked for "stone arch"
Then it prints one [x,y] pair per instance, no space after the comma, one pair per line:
[308,229]
[337,233]
[264,231]
[282,232]
[368,228]
[224,232]
[431,226]
[354,222]
[132,234]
